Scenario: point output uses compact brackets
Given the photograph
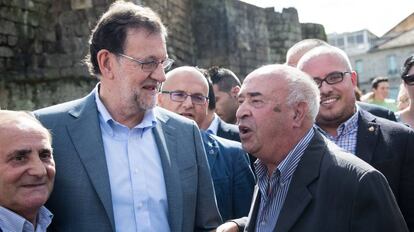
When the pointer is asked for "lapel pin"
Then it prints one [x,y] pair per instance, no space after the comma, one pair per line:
[371,128]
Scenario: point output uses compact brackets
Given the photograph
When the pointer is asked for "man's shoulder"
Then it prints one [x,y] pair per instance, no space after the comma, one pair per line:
[63,108]
[172,118]
[377,110]
[386,126]
[339,159]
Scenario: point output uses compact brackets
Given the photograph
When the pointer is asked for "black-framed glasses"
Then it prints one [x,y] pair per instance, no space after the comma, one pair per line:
[181,96]
[150,66]
[409,79]
[331,78]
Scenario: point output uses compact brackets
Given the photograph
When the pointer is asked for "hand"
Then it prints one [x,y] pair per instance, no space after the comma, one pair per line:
[228,227]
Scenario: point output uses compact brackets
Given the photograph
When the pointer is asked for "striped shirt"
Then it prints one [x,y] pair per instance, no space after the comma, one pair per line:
[12,222]
[346,133]
[274,189]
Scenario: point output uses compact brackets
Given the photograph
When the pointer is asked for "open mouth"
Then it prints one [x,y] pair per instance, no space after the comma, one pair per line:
[328,100]
[244,130]
[150,87]
[187,115]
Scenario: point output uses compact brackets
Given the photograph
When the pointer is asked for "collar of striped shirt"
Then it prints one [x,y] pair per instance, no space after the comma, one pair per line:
[287,167]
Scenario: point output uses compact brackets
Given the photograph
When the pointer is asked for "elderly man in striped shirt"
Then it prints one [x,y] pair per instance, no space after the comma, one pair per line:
[305,182]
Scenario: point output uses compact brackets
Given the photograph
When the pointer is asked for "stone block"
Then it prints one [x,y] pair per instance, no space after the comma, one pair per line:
[80,4]
[7,27]
[12,40]
[6,52]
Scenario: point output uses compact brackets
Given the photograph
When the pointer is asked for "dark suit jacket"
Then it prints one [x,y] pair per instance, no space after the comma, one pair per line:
[228,131]
[232,177]
[81,199]
[378,111]
[334,191]
[389,147]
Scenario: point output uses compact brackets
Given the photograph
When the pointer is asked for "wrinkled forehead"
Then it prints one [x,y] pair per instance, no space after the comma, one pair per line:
[259,84]
[189,78]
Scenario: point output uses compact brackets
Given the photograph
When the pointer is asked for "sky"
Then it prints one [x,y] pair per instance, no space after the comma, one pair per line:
[346,15]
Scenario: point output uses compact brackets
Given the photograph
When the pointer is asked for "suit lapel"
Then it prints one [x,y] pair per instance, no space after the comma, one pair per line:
[251,223]
[299,196]
[212,149]
[164,134]
[85,133]
[367,136]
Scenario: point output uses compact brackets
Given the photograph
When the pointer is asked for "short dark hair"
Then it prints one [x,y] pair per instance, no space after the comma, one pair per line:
[211,95]
[377,80]
[224,78]
[110,31]
[409,62]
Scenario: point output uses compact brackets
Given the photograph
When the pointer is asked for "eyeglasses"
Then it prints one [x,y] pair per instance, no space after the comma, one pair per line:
[409,79]
[180,96]
[150,66]
[331,78]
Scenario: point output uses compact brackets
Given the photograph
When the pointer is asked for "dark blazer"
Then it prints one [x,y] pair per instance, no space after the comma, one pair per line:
[81,199]
[232,177]
[378,110]
[334,191]
[228,131]
[389,147]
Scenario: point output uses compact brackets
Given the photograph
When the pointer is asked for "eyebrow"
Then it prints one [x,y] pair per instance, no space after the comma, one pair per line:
[21,151]
[254,94]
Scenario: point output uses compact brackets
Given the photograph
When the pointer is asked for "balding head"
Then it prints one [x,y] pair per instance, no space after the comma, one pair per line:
[296,52]
[185,81]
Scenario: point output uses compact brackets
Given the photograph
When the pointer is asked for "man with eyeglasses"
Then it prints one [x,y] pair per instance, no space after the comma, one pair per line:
[185,92]
[386,145]
[124,165]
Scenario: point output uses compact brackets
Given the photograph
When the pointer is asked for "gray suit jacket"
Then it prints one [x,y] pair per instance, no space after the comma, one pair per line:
[334,191]
[81,199]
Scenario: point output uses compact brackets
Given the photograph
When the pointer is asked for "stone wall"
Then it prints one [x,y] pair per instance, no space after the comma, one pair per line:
[43,42]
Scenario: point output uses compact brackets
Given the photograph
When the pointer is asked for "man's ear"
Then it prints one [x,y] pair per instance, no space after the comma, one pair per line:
[300,113]
[235,91]
[354,78]
[105,62]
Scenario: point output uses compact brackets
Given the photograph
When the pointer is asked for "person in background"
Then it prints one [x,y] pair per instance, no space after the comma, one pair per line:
[407,115]
[305,183]
[403,100]
[379,96]
[213,124]
[125,165]
[185,92]
[27,172]
[299,49]
[387,146]
[226,86]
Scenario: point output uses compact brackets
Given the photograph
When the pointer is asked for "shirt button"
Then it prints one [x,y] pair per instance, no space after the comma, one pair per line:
[139,205]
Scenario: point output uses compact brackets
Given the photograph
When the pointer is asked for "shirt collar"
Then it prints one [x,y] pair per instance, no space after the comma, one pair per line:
[14,222]
[213,128]
[287,167]
[345,127]
[147,122]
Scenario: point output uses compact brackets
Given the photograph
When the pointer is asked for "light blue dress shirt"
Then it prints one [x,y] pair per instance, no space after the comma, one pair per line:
[213,128]
[139,197]
[12,222]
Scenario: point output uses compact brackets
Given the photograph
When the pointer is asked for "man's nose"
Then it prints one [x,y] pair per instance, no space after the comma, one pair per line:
[37,167]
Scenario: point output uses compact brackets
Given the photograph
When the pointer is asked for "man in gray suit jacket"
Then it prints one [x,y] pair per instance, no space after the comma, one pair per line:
[305,182]
[123,165]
